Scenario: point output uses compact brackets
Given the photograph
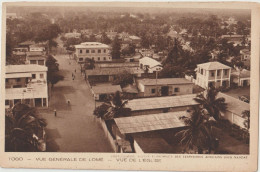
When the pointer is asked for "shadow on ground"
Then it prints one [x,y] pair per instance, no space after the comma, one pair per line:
[51,145]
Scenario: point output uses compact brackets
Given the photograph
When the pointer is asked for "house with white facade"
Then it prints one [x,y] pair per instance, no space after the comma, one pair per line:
[26,84]
[213,74]
[245,54]
[150,65]
[92,50]
[35,57]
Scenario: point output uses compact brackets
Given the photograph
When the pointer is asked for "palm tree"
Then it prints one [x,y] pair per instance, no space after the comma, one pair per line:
[212,104]
[23,128]
[197,133]
[246,115]
[117,107]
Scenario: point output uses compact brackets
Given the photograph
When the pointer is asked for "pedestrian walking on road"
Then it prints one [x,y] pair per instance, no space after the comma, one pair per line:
[72,75]
[75,70]
[55,112]
[68,102]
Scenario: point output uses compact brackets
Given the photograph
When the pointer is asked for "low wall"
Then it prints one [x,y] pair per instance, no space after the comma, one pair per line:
[107,134]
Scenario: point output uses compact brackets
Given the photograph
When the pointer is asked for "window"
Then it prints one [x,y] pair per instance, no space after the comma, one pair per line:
[18,80]
[6,80]
[87,51]
[40,62]
[177,89]
[80,59]
[33,62]
[99,51]
[226,72]
[93,58]
[105,58]
[201,71]
[92,51]
[7,102]
[17,86]
[105,50]
[153,90]
[212,74]
[41,75]
[33,76]
[98,58]
[80,51]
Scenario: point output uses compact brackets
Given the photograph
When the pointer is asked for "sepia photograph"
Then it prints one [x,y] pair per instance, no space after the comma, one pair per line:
[127,79]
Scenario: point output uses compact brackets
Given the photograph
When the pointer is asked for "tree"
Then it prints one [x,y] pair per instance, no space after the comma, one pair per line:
[170,71]
[123,79]
[211,103]
[197,133]
[105,39]
[114,109]
[116,47]
[53,67]
[175,55]
[89,63]
[246,115]
[23,129]
[49,33]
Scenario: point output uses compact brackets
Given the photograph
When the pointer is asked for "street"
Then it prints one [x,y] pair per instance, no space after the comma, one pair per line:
[74,129]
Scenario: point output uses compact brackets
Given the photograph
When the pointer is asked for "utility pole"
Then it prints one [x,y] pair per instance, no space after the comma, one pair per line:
[156,76]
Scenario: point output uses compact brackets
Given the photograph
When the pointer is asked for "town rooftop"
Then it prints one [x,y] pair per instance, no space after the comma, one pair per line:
[25,68]
[161,102]
[165,81]
[213,66]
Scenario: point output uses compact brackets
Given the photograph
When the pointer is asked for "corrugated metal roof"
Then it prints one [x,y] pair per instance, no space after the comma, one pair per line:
[105,89]
[143,123]
[25,68]
[213,66]
[162,81]
[161,102]
[113,71]
[234,105]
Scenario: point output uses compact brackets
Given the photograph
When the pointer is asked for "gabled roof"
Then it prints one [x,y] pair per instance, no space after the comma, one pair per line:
[161,102]
[164,81]
[213,66]
[242,74]
[27,43]
[25,68]
[234,105]
[152,122]
[106,89]
[149,61]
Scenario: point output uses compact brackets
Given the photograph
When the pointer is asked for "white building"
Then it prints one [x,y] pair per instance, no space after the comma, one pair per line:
[149,64]
[36,57]
[213,74]
[26,84]
[92,50]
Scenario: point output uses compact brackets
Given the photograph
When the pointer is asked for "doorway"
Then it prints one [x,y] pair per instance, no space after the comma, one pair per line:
[165,91]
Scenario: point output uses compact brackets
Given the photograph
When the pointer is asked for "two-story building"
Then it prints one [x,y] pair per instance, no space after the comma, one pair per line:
[164,87]
[213,74]
[35,57]
[92,50]
[26,84]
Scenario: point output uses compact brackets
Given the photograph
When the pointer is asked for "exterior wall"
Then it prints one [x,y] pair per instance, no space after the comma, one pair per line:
[97,54]
[39,62]
[98,79]
[183,89]
[216,77]
[234,119]
[16,82]
[137,148]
